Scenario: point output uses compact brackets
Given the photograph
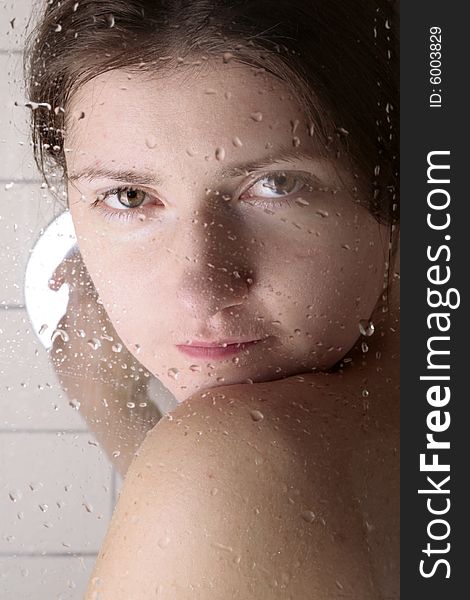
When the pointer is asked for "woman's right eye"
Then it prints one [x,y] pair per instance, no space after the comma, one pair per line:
[126,203]
[131,198]
[125,197]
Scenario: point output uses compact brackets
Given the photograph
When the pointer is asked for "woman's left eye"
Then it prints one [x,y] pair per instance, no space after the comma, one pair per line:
[275,185]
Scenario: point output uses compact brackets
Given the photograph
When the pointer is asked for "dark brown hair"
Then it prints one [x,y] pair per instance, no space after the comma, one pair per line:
[338,56]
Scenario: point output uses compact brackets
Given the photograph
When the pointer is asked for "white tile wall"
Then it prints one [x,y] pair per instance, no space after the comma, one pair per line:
[15,149]
[48,458]
[55,495]
[58,577]
[25,210]
[12,35]
[31,397]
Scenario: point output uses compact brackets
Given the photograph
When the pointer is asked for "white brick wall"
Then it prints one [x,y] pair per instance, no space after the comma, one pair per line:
[48,458]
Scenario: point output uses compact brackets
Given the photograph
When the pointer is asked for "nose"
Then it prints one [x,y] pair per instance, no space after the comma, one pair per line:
[217,273]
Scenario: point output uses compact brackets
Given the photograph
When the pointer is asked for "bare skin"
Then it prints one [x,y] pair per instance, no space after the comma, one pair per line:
[284,251]
[300,503]
[286,487]
[99,375]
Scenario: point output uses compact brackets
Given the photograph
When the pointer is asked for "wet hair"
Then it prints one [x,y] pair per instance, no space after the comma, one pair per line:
[339,57]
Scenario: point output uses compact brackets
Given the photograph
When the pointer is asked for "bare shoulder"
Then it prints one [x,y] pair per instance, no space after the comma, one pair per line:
[243,493]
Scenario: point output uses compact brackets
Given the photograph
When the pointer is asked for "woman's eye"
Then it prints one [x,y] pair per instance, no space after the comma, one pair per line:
[125,203]
[275,185]
[124,197]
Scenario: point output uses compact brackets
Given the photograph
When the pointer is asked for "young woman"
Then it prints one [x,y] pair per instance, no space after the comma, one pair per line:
[231,171]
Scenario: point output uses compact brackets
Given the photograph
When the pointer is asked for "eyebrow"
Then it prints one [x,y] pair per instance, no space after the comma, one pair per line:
[146,177]
[128,175]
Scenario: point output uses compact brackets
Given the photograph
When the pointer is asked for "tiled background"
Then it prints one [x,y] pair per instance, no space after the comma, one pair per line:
[57,488]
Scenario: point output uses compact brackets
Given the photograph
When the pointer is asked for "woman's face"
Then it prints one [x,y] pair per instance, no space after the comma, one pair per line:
[206,215]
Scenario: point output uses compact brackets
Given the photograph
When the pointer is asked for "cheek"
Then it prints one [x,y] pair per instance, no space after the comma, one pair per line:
[111,272]
[335,276]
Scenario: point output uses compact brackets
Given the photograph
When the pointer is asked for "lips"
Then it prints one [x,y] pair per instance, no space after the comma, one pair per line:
[214,349]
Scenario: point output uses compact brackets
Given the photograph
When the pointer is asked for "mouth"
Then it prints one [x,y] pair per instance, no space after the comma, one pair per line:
[214,349]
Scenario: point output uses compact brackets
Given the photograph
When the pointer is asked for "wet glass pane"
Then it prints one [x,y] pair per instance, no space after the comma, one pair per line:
[199,315]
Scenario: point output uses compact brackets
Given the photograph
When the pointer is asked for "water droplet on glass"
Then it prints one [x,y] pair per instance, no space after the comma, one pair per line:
[236,141]
[195,368]
[15,495]
[256,415]
[257,116]
[43,507]
[94,343]
[151,141]
[366,327]
[35,105]
[365,393]
[220,153]
[227,57]
[35,485]
[116,453]
[322,213]
[58,28]
[308,516]
[364,347]
[116,347]
[43,328]
[214,491]
[60,333]
[222,546]
[110,20]
[75,404]
[369,526]
[302,202]
[173,372]
[339,585]
[163,542]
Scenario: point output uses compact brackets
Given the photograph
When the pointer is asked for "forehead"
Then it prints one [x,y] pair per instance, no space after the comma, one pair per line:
[230,107]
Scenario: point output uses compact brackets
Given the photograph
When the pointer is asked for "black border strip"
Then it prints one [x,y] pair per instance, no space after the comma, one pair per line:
[425,129]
